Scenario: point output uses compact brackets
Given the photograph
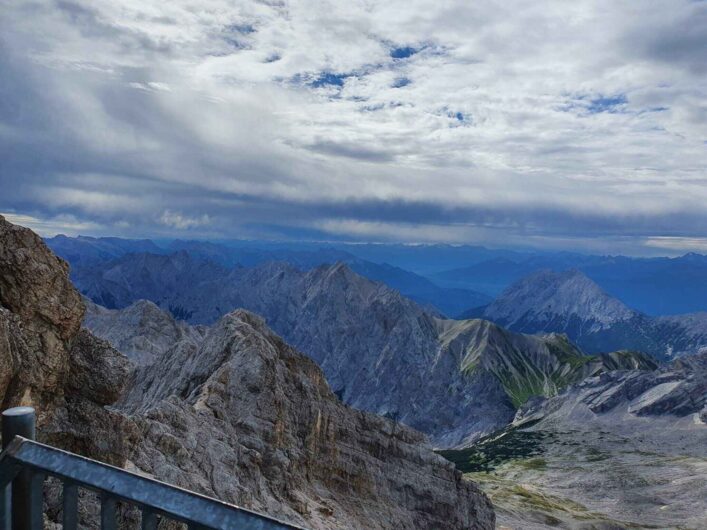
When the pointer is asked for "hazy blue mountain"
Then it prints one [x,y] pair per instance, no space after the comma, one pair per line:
[88,252]
[83,250]
[655,286]
[428,259]
[251,254]
[570,302]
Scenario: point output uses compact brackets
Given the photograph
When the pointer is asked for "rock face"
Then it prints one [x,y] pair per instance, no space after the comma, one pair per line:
[245,417]
[569,302]
[678,389]
[47,361]
[142,331]
[379,350]
[683,334]
[625,449]
[241,416]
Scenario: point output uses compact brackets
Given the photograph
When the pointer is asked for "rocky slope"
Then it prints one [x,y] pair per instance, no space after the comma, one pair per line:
[682,334]
[142,331]
[242,416]
[569,302]
[380,351]
[626,449]
[247,418]
[48,361]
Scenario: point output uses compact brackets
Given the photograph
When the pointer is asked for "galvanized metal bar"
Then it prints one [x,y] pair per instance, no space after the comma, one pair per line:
[70,505]
[108,512]
[9,469]
[35,502]
[20,422]
[176,503]
[5,512]
[149,519]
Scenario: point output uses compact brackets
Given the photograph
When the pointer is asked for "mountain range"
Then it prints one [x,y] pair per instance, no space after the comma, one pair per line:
[618,423]
[84,253]
[569,302]
[240,416]
[217,402]
[380,351]
[654,286]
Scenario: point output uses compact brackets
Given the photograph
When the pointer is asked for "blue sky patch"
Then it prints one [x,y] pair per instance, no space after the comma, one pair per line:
[329,79]
[607,104]
[403,52]
[401,82]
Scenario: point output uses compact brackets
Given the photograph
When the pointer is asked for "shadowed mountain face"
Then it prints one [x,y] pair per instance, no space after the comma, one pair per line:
[625,449]
[454,380]
[235,412]
[569,302]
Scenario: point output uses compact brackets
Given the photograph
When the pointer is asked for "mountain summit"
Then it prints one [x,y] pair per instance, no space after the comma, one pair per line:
[569,302]
[566,302]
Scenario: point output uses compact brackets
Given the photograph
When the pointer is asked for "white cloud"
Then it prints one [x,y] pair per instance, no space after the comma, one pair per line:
[183,222]
[594,110]
[62,224]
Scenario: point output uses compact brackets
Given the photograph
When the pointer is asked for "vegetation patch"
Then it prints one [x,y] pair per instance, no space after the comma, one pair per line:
[492,451]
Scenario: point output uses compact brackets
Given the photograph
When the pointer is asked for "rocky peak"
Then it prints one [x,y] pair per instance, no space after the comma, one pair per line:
[546,296]
[262,408]
[142,331]
[34,284]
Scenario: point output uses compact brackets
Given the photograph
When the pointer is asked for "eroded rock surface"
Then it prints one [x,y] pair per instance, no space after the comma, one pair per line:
[626,449]
[142,331]
[245,417]
[47,361]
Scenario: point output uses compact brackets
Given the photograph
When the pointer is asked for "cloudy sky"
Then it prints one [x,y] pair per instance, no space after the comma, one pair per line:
[556,124]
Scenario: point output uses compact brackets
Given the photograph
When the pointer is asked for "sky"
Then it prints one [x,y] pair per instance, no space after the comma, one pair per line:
[559,125]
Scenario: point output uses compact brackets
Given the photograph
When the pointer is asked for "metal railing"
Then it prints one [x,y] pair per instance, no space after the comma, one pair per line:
[25,464]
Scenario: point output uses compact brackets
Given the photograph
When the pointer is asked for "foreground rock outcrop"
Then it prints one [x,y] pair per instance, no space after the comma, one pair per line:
[48,361]
[246,418]
[239,414]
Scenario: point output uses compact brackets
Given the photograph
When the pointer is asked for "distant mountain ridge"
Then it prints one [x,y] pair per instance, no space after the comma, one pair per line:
[571,303]
[655,286]
[88,252]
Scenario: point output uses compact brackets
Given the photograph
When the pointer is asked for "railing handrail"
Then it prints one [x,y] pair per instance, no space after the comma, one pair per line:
[113,483]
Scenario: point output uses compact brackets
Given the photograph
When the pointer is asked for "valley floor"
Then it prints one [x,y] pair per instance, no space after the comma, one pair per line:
[597,475]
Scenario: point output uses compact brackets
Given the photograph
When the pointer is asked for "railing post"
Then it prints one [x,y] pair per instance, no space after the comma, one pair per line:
[18,421]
